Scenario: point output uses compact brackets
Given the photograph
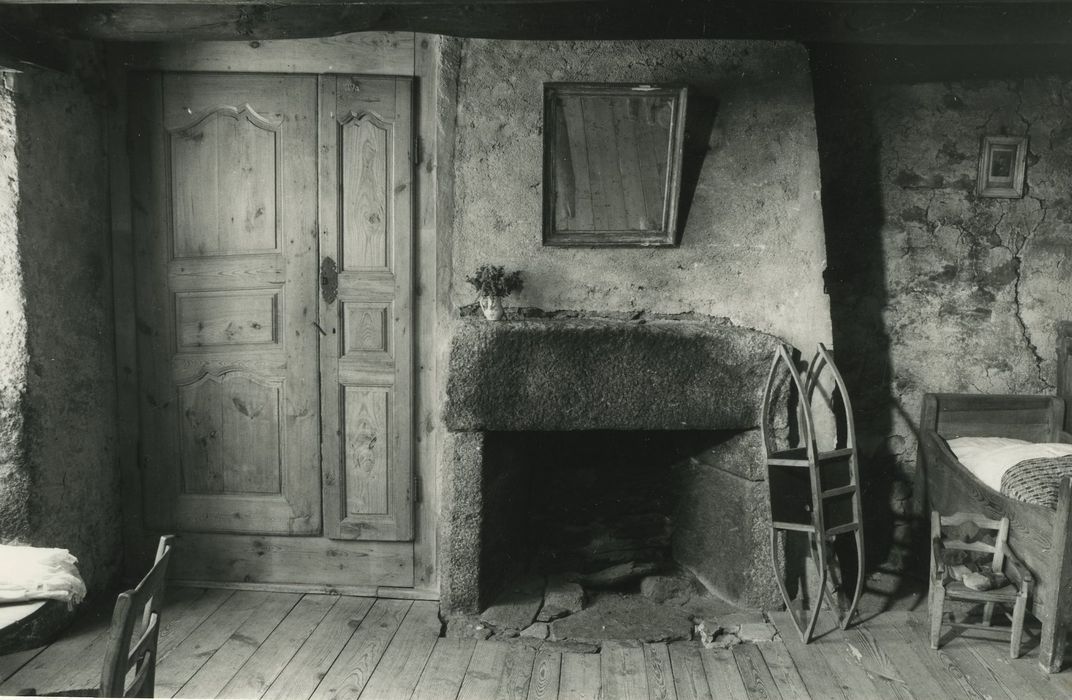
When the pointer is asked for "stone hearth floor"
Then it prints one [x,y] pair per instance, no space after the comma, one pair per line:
[621,604]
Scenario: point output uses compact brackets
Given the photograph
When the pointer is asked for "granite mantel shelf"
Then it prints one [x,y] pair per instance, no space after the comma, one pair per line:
[601,374]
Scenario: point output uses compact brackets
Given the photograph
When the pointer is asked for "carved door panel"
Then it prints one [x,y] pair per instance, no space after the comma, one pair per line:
[366,358]
[224,193]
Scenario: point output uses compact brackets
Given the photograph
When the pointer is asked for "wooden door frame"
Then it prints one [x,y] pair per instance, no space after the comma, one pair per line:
[369,53]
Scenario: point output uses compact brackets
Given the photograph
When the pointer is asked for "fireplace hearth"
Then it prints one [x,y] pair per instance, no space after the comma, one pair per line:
[580,444]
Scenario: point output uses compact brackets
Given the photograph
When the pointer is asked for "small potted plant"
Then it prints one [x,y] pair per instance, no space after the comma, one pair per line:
[492,283]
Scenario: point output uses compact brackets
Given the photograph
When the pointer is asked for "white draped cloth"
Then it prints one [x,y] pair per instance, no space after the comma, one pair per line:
[39,573]
[988,458]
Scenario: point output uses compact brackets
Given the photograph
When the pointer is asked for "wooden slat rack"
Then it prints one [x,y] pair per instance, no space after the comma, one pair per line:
[812,491]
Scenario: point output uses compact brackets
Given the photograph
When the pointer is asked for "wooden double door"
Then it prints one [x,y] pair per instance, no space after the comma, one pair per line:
[272,227]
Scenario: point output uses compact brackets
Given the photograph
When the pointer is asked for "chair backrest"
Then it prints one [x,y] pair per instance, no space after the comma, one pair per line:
[1000,528]
[124,652]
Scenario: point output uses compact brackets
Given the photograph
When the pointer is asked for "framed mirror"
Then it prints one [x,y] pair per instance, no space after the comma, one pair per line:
[612,164]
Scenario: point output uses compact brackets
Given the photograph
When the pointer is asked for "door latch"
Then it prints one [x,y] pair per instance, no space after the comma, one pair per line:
[329,280]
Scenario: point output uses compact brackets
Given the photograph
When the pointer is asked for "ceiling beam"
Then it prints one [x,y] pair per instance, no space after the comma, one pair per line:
[23,47]
[473,3]
[279,3]
[1009,22]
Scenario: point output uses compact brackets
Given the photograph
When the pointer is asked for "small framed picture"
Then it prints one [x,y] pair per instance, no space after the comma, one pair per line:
[1001,166]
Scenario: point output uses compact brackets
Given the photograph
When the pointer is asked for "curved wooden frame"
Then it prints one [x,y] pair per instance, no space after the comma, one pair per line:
[821,361]
[812,459]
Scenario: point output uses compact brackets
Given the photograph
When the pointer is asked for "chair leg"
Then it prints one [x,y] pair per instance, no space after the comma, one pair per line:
[937,600]
[1017,626]
[988,614]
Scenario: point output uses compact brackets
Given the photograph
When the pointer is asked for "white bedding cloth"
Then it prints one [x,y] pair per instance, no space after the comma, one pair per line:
[988,458]
[35,573]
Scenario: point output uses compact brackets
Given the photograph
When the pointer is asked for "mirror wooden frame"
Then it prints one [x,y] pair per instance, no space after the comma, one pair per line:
[666,232]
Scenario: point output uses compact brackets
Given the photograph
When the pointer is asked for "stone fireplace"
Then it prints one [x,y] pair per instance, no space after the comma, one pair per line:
[581,443]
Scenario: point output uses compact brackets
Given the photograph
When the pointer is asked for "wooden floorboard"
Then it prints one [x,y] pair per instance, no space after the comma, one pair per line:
[484,671]
[442,677]
[184,611]
[218,671]
[756,677]
[517,670]
[352,669]
[659,672]
[846,662]
[690,680]
[11,663]
[784,672]
[892,628]
[916,633]
[580,677]
[51,669]
[995,657]
[271,657]
[722,676]
[893,659]
[302,675]
[546,671]
[397,673]
[622,671]
[819,680]
[289,646]
[189,655]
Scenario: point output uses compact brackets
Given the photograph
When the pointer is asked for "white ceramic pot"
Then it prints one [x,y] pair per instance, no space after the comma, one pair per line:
[492,308]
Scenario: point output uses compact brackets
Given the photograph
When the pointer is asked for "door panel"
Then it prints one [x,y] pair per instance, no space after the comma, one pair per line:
[226,278]
[224,171]
[366,359]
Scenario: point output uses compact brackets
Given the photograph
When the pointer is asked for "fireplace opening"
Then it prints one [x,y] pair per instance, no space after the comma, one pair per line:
[580,501]
[651,513]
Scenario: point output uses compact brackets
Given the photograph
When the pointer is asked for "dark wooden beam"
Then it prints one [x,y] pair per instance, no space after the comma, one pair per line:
[25,46]
[474,3]
[1008,22]
[280,3]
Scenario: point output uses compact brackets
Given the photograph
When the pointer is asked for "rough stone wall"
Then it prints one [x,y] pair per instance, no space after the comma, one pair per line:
[69,430]
[934,288]
[727,547]
[752,247]
[14,481]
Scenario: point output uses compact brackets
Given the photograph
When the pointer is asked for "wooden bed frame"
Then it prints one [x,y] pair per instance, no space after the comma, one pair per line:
[1039,535]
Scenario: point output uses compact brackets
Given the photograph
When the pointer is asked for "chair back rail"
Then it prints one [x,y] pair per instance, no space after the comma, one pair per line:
[142,603]
[1000,528]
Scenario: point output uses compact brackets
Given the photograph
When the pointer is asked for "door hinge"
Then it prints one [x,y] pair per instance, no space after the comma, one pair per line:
[416,488]
[418,150]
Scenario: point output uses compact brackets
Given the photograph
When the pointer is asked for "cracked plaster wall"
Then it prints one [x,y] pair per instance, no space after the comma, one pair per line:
[752,248]
[933,287]
[983,276]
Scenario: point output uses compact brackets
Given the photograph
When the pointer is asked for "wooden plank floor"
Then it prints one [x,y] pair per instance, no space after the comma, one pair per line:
[245,644]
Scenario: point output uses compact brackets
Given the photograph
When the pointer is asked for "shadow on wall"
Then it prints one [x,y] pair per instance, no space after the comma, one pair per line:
[700,116]
[893,337]
[855,280]
[69,425]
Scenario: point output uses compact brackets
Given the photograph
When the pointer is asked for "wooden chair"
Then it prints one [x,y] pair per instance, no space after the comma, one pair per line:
[944,585]
[123,652]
